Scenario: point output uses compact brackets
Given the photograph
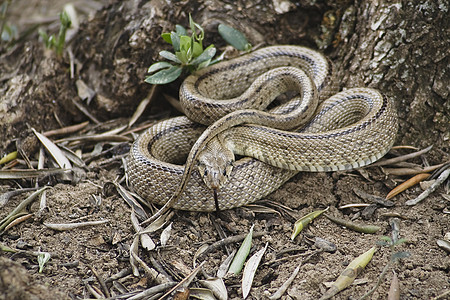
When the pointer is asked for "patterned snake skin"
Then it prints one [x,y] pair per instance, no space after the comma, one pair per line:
[314,132]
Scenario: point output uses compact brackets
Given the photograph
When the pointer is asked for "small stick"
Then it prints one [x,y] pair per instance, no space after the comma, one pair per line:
[96,138]
[153,290]
[152,273]
[401,158]
[4,198]
[141,107]
[120,274]
[444,175]
[101,281]
[66,130]
[229,240]
[69,226]
[189,277]
[85,111]
[287,283]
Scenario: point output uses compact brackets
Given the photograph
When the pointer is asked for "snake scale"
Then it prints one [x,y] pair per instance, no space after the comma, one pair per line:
[314,130]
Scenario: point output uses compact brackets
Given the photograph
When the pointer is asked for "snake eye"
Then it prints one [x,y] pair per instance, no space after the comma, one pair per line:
[228,169]
[202,169]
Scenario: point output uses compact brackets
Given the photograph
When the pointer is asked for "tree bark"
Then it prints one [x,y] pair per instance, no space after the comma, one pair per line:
[398,47]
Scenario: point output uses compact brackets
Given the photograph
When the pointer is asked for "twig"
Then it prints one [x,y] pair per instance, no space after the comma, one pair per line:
[152,273]
[120,274]
[287,283]
[29,173]
[101,282]
[69,226]
[66,130]
[141,107]
[96,138]
[380,278]
[189,277]
[94,292]
[153,290]
[401,158]
[228,240]
[444,175]
[85,111]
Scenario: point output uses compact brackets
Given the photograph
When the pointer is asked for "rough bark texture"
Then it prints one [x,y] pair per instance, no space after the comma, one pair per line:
[400,48]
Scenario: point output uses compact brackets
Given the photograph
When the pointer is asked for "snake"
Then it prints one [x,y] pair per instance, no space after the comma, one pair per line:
[231,112]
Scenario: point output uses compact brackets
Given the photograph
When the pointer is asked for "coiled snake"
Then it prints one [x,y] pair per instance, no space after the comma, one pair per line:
[348,130]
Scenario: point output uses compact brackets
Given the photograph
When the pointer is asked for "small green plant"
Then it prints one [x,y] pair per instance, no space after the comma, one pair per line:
[57,43]
[8,32]
[189,54]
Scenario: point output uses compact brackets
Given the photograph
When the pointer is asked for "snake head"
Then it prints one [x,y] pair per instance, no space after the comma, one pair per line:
[215,166]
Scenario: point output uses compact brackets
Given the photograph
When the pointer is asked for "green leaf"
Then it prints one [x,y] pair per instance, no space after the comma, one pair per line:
[65,19]
[185,43]
[158,66]
[207,54]
[189,54]
[165,76]
[353,226]
[170,56]
[304,221]
[43,258]
[401,254]
[234,37]
[175,37]
[241,255]
[181,55]
[197,49]
[194,26]
[386,239]
[180,30]
[44,36]
[217,59]
[204,64]
[400,241]
[166,37]
[346,278]
[191,24]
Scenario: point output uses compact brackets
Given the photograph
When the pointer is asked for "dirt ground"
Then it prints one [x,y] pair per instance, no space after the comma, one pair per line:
[78,255]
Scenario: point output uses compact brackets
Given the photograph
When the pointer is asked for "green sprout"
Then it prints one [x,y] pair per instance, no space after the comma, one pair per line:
[8,32]
[43,258]
[189,54]
[57,43]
